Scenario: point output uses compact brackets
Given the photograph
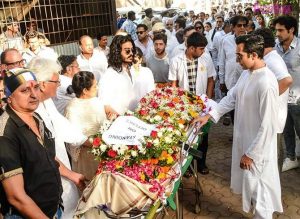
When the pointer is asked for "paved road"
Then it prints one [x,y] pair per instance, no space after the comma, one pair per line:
[217,200]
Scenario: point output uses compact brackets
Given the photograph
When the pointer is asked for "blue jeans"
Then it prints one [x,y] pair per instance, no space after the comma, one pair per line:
[292,125]
[12,216]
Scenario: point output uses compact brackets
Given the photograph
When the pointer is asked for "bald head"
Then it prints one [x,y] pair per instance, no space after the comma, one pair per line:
[11,58]
[86,45]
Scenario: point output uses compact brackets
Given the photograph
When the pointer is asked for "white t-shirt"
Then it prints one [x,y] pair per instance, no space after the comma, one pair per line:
[276,64]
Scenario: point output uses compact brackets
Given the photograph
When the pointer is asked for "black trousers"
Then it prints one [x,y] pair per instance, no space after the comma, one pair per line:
[203,146]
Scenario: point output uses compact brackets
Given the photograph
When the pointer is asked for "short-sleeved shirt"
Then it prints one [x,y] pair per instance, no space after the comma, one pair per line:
[22,153]
[291,58]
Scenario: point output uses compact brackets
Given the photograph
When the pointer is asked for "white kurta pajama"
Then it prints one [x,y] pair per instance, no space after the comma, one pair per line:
[62,131]
[255,100]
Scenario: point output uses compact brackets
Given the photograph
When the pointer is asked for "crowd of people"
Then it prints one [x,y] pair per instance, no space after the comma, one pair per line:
[51,104]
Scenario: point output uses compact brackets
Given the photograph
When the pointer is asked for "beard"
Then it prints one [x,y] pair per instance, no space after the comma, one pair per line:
[128,59]
[160,51]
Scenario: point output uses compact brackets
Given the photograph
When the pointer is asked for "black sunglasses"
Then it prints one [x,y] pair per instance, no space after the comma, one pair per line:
[140,32]
[128,51]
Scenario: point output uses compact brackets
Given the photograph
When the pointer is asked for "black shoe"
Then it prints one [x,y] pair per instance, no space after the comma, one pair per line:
[226,121]
[203,170]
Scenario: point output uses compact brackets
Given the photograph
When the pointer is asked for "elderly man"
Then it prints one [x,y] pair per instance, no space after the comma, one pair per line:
[29,173]
[11,58]
[46,72]
[254,171]
[90,59]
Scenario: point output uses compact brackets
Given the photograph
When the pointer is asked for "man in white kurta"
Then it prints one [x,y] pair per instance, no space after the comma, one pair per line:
[116,87]
[254,171]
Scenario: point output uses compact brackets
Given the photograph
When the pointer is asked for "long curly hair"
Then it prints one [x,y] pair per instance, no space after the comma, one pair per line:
[115,57]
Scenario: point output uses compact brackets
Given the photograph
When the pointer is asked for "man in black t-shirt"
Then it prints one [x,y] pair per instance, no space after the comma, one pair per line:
[29,174]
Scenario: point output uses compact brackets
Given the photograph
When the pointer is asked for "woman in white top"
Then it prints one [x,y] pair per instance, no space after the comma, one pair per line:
[86,112]
[143,78]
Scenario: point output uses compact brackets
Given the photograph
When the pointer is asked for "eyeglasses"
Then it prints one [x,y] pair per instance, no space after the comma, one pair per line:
[20,63]
[56,82]
[241,25]
[140,32]
[159,31]
[198,28]
[128,51]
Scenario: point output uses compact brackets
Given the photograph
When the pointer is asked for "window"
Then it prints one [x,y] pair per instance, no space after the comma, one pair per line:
[62,20]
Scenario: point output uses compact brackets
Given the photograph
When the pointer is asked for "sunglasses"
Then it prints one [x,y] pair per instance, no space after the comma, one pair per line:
[241,25]
[198,28]
[128,51]
[140,32]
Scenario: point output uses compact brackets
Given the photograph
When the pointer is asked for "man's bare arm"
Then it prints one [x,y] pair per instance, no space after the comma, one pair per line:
[17,197]
[284,84]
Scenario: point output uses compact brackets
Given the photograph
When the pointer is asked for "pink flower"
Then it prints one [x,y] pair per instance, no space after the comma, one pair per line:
[154,104]
[143,112]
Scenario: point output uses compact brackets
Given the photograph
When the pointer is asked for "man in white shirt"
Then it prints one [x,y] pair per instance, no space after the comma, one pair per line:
[144,42]
[193,70]
[254,171]
[47,73]
[116,88]
[229,69]
[276,64]
[288,47]
[182,47]
[35,49]
[63,96]
[102,44]
[217,41]
[90,59]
